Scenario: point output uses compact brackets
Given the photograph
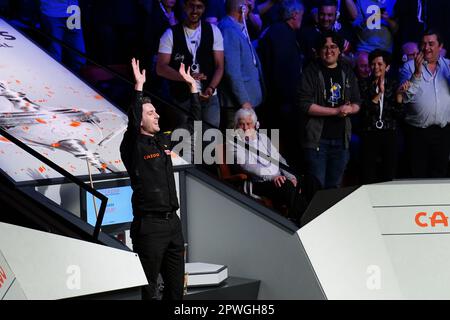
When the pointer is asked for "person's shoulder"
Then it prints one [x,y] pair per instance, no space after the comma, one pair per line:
[216,30]
[214,27]
[312,67]
[409,65]
[164,138]
[446,61]
[225,22]
[167,34]
[308,29]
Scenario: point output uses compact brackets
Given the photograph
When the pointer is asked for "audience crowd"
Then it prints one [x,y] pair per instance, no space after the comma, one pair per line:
[361,79]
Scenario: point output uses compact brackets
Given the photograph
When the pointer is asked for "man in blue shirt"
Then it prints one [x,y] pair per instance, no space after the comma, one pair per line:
[428,109]
[242,84]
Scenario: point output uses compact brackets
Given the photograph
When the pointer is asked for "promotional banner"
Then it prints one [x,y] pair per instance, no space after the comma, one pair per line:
[9,286]
[47,107]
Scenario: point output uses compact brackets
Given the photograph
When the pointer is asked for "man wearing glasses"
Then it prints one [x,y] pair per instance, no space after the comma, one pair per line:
[328,94]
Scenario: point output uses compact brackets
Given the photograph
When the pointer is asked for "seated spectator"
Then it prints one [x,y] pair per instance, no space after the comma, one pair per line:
[199,45]
[242,85]
[268,178]
[370,35]
[380,111]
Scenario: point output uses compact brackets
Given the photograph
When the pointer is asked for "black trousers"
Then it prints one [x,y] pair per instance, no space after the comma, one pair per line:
[378,145]
[428,151]
[160,245]
[289,195]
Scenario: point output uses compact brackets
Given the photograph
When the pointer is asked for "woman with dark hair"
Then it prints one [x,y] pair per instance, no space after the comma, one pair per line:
[380,111]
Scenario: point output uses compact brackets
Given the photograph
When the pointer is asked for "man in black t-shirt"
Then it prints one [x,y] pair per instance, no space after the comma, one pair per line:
[328,94]
[333,127]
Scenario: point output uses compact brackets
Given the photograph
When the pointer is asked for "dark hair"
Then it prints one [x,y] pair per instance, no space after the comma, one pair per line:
[146,100]
[336,38]
[380,53]
[430,32]
[327,3]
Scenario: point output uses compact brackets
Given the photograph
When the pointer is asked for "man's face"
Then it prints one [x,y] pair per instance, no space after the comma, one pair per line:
[431,48]
[379,67]
[297,19]
[246,123]
[329,53]
[362,66]
[410,50]
[194,10]
[327,17]
[150,120]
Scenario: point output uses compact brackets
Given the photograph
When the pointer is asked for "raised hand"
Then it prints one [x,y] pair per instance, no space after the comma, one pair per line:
[188,78]
[139,76]
[404,87]
[418,62]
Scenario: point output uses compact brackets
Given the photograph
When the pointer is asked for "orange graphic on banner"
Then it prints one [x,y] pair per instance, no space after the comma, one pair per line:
[438,218]
[41,121]
[2,277]
[75,124]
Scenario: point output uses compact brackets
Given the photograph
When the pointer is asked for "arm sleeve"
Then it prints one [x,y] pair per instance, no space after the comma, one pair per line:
[166,42]
[406,74]
[355,94]
[232,52]
[306,92]
[218,39]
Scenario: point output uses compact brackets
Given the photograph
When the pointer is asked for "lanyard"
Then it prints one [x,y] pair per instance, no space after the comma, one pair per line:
[165,11]
[380,123]
[245,31]
[193,42]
